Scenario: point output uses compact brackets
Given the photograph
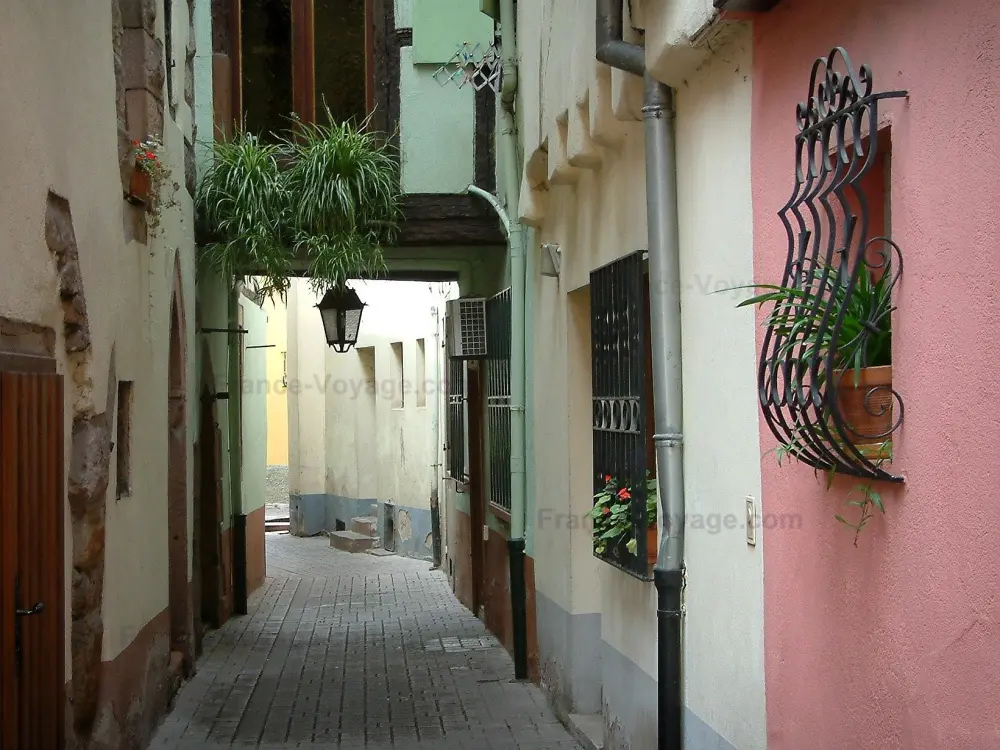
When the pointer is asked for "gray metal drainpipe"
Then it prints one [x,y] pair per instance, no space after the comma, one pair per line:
[665,333]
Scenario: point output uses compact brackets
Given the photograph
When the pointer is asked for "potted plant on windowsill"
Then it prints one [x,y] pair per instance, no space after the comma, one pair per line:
[827,328]
[862,357]
[612,517]
[149,176]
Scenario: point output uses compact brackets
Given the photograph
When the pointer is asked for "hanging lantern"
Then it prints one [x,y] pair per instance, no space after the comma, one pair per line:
[341,310]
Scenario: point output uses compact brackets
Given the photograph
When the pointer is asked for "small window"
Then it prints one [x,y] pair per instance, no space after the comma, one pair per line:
[123,441]
[421,381]
[397,358]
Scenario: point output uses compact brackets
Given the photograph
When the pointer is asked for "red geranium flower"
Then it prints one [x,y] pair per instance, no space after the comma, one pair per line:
[607,477]
[607,510]
[150,155]
[624,494]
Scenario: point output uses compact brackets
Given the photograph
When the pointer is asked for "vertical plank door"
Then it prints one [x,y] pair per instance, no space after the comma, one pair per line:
[31,484]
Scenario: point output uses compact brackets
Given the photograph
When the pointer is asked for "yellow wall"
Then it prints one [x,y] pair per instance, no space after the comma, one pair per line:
[277,402]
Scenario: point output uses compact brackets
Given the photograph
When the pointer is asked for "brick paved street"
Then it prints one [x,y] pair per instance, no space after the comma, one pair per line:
[356,651]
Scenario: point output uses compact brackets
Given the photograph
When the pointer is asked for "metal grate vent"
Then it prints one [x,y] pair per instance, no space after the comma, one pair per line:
[467,316]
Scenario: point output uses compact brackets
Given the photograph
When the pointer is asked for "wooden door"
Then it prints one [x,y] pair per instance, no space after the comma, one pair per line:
[32,627]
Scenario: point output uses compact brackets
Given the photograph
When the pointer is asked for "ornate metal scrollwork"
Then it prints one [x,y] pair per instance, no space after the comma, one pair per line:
[831,317]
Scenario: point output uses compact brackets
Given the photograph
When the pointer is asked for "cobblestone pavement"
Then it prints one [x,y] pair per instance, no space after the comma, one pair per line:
[345,650]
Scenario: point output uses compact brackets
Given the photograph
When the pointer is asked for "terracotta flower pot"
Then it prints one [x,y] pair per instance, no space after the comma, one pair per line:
[138,191]
[651,544]
[865,422]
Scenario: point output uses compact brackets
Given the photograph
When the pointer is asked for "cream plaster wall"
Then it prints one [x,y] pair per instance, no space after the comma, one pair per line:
[724,650]
[371,447]
[59,132]
[584,157]
[306,434]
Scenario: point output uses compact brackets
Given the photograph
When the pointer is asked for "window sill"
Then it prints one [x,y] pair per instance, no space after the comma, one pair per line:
[460,486]
[500,513]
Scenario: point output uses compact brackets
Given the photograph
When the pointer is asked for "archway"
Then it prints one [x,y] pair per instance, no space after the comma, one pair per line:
[181,623]
[211,592]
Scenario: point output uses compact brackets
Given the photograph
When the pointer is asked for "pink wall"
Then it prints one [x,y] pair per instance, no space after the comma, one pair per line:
[895,645]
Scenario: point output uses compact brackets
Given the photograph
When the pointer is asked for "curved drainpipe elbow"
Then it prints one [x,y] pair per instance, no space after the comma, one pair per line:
[611,49]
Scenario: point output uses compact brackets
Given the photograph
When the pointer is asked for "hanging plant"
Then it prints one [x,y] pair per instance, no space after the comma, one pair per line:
[324,194]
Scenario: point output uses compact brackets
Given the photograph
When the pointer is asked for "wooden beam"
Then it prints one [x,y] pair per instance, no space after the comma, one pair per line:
[304,60]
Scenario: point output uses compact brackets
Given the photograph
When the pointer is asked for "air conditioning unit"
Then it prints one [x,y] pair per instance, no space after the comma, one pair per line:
[466,318]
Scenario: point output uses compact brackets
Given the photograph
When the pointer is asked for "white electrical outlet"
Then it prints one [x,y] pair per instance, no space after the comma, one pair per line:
[751,521]
[486,533]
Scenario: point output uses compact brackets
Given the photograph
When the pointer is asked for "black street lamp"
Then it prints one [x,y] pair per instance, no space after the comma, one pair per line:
[341,310]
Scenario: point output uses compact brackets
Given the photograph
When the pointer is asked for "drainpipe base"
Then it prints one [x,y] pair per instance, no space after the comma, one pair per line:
[668,619]
[515,549]
[240,564]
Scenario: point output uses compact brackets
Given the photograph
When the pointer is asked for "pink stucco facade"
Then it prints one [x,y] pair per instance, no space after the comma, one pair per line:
[895,644]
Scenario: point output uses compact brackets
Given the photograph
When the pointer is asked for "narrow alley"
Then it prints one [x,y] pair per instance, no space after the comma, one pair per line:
[345,650]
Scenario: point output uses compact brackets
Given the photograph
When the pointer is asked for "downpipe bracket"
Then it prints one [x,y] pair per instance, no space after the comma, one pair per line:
[670,439]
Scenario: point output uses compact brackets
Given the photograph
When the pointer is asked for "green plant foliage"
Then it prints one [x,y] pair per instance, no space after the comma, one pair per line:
[803,319]
[799,318]
[612,514]
[326,193]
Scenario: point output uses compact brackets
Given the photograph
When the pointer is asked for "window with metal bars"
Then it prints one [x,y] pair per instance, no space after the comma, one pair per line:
[621,386]
[498,396]
[458,468]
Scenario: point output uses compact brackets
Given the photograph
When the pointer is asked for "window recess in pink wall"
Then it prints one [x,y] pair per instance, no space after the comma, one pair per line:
[825,377]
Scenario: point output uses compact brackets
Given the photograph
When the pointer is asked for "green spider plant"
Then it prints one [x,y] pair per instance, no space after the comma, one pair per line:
[328,194]
[797,318]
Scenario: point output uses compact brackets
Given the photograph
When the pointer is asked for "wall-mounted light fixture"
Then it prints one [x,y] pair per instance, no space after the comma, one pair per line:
[551,259]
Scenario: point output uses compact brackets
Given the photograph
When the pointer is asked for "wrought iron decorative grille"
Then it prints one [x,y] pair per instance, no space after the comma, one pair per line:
[830,325]
[498,333]
[476,64]
[618,384]
[457,466]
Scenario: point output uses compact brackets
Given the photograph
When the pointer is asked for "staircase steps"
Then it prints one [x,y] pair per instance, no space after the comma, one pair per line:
[277,523]
[351,541]
[366,525]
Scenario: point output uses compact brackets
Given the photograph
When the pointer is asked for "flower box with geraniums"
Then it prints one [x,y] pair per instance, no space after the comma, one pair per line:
[612,517]
[149,176]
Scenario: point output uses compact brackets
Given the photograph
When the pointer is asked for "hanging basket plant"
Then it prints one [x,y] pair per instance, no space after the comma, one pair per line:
[326,195]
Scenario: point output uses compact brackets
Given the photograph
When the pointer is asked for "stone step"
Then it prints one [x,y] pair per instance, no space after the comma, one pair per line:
[351,541]
[588,730]
[277,524]
[366,525]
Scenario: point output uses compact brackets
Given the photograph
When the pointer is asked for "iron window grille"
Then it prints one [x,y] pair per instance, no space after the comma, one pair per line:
[621,400]
[828,222]
[498,332]
[458,467]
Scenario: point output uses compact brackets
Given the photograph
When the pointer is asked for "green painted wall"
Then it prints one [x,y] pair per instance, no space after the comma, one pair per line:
[438,151]
[440,25]
[437,122]
[212,301]
[255,390]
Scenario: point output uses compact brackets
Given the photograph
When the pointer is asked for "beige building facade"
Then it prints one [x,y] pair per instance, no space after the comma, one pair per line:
[584,191]
[365,423]
[97,290]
